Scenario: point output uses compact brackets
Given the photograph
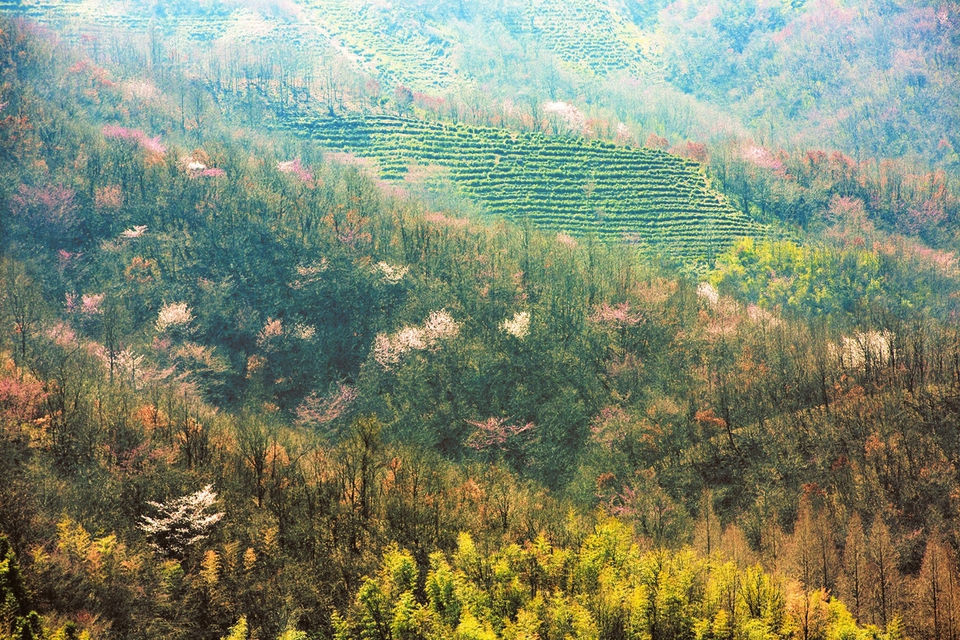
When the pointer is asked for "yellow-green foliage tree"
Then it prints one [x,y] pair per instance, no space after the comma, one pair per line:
[609,587]
[17,620]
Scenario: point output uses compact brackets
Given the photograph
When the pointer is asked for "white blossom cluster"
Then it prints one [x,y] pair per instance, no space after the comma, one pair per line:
[305,332]
[181,522]
[708,293]
[388,350]
[134,232]
[870,347]
[310,273]
[575,119]
[518,326]
[125,362]
[389,273]
[176,314]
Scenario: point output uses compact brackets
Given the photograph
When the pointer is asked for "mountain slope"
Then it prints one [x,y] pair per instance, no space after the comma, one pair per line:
[640,195]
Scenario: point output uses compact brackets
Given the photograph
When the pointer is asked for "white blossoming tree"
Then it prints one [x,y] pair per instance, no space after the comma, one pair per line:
[175,315]
[564,112]
[389,350]
[389,273]
[518,326]
[708,293]
[181,522]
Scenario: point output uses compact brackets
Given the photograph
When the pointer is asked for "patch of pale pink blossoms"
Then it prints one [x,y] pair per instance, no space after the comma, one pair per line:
[63,335]
[389,350]
[124,362]
[624,135]
[88,304]
[272,329]
[295,168]
[177,314]
[445,221]
[320,410]
[494,433]
[761,157]
[151,145]
[566,240]
[760,316]
[619,314]
[135,232]
[575,119]
[67,258]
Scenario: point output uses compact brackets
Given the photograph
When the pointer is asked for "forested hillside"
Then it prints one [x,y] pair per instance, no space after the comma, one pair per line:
[251,387]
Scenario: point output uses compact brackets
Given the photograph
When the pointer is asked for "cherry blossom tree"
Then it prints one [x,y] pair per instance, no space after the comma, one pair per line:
[181,522]
[494,433]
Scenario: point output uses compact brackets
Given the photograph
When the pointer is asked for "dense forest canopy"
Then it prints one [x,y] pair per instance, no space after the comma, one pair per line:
[316,320]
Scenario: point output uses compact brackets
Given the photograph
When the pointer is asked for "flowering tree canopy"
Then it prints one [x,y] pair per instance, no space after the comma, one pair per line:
[177,314]
[518,326]
[573,118]
[388,350]
[493,433]
[390,274]
[296,168]
[181,522]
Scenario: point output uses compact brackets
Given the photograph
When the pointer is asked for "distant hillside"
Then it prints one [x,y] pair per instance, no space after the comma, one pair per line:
[418,44]
[871,79]
[568,184]
[645,196]
[586,35]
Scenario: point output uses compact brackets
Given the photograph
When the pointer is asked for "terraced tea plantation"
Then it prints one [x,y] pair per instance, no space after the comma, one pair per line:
[587,35]
[641,195]
[396,45]
[227,26]
[394,41]
[87,12]
[388,42]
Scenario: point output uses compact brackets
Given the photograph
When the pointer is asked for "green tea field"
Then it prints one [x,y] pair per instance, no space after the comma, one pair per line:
[588,36]
[397,43]
[642,195]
